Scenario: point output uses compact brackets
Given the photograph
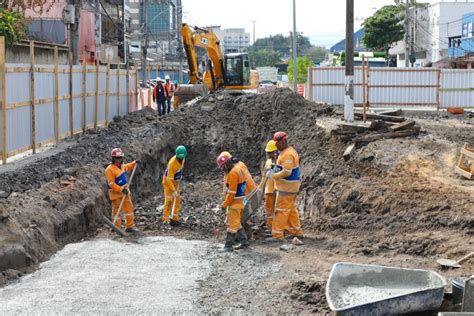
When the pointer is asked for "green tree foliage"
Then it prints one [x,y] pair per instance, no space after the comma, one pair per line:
[302,64]
[12,25]
[270,50]
[384,28]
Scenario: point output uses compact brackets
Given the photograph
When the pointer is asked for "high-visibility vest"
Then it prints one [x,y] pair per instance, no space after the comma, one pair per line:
[170,88]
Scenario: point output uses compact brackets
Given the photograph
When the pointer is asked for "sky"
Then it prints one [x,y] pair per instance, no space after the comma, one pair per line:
[322,21]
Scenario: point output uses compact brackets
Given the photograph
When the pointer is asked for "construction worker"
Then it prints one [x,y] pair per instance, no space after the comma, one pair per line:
[250,189]
[171,178]
[116,174]
[176,95]
[169,86]
[287,184]
[233,203]
[268,185]
[160,96]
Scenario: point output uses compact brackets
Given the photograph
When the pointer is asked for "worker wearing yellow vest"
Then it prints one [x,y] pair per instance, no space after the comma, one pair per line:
[170,182]
[117,181]
[170,91]
[233,203]
[272,154]
[287,185]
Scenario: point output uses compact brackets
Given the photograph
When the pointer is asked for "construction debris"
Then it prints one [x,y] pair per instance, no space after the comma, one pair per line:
[465,164]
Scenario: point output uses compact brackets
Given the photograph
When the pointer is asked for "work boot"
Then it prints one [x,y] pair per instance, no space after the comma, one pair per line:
[242,238]
[175,223]
[132,230]
[293,236]
[229,242]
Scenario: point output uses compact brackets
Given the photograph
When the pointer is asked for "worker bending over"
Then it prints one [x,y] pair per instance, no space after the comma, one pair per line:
[287,184]
[117,181]
[234,202]
[171,178]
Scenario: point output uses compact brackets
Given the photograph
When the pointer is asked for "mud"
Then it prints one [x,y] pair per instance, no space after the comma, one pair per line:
[394,198]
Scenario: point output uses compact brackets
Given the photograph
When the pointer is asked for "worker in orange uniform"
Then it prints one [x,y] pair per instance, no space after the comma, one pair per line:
[250,188]
[116,174]
[234,202]
[268,185]
[176,96]
[171,178]
[169,86]
[287,185]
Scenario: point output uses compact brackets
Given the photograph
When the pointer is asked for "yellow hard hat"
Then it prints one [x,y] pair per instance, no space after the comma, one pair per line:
[271,146]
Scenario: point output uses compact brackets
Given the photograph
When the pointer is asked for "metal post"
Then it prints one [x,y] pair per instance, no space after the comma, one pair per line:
[407,36]
[349,78]
[180,42]
[295,70]
[253,32]
[74,31]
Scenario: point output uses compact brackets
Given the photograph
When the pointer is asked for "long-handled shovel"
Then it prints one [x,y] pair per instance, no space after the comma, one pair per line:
[448,263]
[174,203]
[119,211]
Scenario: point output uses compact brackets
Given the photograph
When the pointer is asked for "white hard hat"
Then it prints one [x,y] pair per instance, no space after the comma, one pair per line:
[167,77]
[159,79]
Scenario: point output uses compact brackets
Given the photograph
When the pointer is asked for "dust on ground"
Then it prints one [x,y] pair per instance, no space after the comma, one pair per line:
[396,202]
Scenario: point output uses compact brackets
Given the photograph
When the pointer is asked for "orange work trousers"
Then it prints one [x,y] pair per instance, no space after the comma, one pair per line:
[127,208]
[233,220]
[168,211]
[270,208]
[286,217]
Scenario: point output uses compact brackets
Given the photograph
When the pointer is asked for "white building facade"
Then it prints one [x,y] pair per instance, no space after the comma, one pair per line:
[430,28]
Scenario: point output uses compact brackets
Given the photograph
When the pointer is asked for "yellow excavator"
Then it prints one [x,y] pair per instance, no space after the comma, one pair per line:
[229,71]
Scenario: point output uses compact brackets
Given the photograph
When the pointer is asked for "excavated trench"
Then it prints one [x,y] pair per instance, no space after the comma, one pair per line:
[61,199]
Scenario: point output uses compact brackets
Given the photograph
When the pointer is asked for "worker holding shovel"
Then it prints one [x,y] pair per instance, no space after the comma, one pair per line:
[171,179]
[116,174]
[268,185]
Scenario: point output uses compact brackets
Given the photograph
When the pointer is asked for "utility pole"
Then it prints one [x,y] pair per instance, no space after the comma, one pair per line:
[97,28]
[180,41]
[145,46]
[295,70]
[253,32]
[407,35]
[349,78]
[74,31]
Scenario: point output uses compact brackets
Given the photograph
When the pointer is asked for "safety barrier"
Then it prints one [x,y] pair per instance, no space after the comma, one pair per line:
[43,104]
[395,87]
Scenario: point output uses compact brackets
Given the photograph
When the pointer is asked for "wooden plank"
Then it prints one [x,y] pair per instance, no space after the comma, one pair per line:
[403,70]
[310,72]
[391,112]
[107,93]
[96,99]
[364,96]
[348,152]
[438,82]
[464,173]
[149,89]
[370,138]
[71,96]
[403,86]
[56,95]
[381,117]
[118,89]
[137,85]
[128,88]
[403,125]
[32,96]
[353,128]
[4,100]
[84,91]
[467,153]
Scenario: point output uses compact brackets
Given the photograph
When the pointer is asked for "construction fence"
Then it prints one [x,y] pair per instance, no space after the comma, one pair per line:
[43,104]
[395,87]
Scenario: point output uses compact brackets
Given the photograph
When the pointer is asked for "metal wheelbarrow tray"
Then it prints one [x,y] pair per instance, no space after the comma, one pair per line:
[359,289]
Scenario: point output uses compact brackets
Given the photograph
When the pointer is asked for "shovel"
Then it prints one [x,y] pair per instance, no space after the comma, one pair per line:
[119,211]
[174,203]
[448,263]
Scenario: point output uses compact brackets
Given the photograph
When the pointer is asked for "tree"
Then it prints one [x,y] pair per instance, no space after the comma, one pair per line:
[316,54]
[302,64]
[264,57]
[12,25]
[384,28]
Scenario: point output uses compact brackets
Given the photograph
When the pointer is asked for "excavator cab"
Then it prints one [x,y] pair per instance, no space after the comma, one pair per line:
[236,71]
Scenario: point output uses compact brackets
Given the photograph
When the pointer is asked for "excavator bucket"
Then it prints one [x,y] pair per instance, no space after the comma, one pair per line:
[188,92]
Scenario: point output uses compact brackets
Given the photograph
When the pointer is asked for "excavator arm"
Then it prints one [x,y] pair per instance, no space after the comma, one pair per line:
[214,76]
